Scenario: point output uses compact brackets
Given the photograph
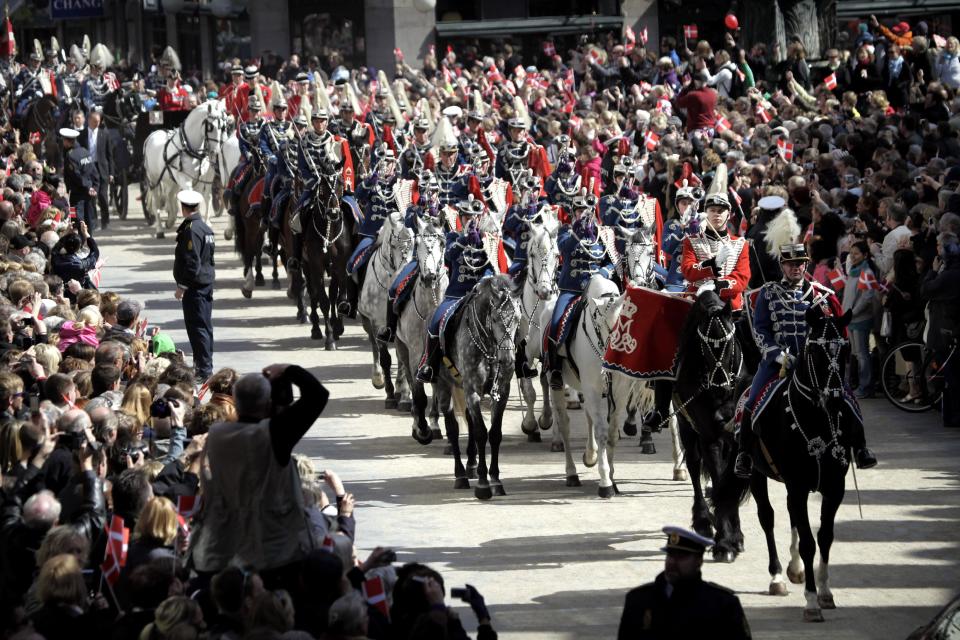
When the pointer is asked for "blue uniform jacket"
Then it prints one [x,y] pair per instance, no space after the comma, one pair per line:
[377,204]
[582,259]
[466,262]
[516,228]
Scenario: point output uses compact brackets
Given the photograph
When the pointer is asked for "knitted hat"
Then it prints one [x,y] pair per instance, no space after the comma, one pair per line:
[162,343]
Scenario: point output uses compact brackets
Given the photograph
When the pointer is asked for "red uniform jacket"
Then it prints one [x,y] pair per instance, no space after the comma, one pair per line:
[243,99]
[735,269]
[175,99]
[229,94]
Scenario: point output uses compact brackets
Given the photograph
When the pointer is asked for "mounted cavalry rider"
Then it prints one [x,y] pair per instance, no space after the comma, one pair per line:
[712,256]
[564,183]
[287,169]
[467,263]
[377,198]
[426,209]
[686,204]
[454,178]
[495,193]
[516,224]
[230,93]
[272,134]
[100,83]
[419,150]
[248,136]
[583,256]
[780,329]
[27,86]
[248,90]
[520,152]
[299,102]
[173,96]
[359,135]
[70,82]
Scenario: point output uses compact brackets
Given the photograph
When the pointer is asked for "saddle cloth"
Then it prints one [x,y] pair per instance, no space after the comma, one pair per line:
[256,194]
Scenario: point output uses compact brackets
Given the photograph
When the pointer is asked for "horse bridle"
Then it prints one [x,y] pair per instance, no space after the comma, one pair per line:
[391,261]
[720,350]
[832,347]
[646,277]
[429,240]
[479,336]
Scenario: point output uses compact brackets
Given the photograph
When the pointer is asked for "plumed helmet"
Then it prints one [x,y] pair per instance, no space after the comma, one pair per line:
[171,59]
[77,56]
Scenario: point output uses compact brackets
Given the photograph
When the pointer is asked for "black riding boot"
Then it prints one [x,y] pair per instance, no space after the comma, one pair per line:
[387,333]
[662,393]
[863,456]
[555,365]
[522,368]
[743,468]
[427,371]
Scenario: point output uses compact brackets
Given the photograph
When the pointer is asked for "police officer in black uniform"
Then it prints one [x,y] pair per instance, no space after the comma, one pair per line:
[193,270]
[679,603]
[80,176]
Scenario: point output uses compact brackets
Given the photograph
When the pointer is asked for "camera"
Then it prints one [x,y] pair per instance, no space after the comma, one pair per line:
[918,179]
[460,593]
[76,441]
[160,408]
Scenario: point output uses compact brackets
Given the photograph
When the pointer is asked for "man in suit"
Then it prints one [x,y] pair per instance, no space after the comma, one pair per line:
[80,176]
[96,140]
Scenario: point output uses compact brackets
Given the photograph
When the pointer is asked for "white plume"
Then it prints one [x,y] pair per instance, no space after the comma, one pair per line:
[783,229]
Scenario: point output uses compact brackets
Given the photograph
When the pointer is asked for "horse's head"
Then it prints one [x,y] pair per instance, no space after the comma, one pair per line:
[498,298]
[215,120]
[604,303]
[638,257]
[397,240]
[543,257]
[717,339]
[430,250]
[827,349]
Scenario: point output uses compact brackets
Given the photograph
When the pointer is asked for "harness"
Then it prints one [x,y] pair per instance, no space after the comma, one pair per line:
[182,145]
[479,336]
[433,288]
[535,277]
[391,262]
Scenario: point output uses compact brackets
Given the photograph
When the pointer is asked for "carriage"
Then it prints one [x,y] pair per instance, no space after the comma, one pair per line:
[146,123]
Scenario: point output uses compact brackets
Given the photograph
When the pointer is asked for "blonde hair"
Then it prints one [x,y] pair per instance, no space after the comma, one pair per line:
[57,540]
[61,582]
[48,356]
[158,520]
[171,614]
[91,317]
[10,447]
[136,402]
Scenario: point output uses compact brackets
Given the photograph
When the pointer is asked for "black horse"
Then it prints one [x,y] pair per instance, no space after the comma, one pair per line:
[803,441]
[708,377]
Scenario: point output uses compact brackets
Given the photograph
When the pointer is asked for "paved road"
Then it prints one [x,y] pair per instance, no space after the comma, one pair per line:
[555,562]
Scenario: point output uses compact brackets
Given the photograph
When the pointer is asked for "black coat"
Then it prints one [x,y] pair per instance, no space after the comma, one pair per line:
[942,290]
[80,173]
[72,267]
[104,154]
[696,609]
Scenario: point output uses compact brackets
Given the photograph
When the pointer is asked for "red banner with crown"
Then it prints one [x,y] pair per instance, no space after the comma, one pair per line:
[644,342]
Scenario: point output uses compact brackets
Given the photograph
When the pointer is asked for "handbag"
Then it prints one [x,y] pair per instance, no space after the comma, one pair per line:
[886,325]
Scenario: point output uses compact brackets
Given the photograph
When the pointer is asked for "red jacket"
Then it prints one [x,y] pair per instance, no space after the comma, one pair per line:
[175,99]
[700,105]
[243,99]
[229,94]
[735,271]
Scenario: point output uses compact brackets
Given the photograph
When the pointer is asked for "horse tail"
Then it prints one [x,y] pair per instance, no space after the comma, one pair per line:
[238,231]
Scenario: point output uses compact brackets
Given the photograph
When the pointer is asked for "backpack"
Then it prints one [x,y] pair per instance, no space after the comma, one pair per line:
[737,88]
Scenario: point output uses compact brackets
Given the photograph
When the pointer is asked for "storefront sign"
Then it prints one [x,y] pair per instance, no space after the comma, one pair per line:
[67,9]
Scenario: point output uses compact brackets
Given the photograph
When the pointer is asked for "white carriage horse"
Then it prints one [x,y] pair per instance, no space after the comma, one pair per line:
[182,158]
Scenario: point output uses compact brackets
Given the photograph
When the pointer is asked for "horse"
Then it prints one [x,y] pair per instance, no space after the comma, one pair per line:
[479,355]
[39,123]
[704,396]
[248,239]
[808,414]
[582,370]
[412,324]
[182,158]
[639,270]
[229,158]
[327,231]
[394,249]
[537,300]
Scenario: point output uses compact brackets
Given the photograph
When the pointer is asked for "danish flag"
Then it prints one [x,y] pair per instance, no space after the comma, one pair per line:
[651,139]
[938,40]
[187,506]
[644,36]
[98,272]
[722,124]
[112,83]
[549,49]
[35,137]
[830,82]
[785,149]
[629,39]
[375,595]
[118,540]
[762,114]
[493,74]
[837,279]
[868,281]
[690,31]
[398,54]
[744,226]
[10,44]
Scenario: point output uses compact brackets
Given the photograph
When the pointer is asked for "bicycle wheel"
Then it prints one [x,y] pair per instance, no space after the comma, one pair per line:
[905,368]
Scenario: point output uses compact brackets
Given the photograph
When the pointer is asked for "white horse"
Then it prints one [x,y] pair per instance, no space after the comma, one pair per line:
[413,321]
[603,303]
[182,158]
[229,159]
[638,268]
[394,250]
[537,301]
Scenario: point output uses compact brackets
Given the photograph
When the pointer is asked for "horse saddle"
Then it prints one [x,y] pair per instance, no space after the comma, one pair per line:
[354,208]
[256,195]
[768,392]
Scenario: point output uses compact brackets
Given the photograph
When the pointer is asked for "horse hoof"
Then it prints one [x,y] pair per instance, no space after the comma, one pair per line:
[329,345]
[448,450]
[390,403]
[534,437]
[247,293]
[545,423]
[573,481]
[275,284]
[606,492]
[471,472]
[796,577]
[316,333]
[498,490]
[377,382]
[259,281]
[648,448]
[302,318]
[812,615]
[528,426]
[228,234]
[404,406]
[630,429]
[556,447]
[724,555]
[589,460]
[680,475]
[160,235]
[337,325]
[482,493]
[778,589]
[461,483]
[424,437]
[826,602]
[436,433]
